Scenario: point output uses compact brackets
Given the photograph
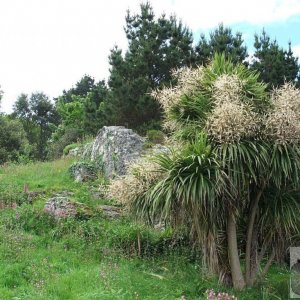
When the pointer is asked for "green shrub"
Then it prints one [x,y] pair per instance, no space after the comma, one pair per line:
[62,138]
[69,147]
[32,220]
[155,136]
[150,125]
[13,139]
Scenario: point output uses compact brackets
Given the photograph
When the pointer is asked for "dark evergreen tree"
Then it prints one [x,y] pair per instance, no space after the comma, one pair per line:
[93,120]
[88,96]
[275,64]
[155,47]
[221,40]
[36,114]
[13,140]
[85,85]
[43,114]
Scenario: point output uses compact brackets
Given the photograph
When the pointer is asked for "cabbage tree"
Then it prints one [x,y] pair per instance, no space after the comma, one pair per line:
[233,174]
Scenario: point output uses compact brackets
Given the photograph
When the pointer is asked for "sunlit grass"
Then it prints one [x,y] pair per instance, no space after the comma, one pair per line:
[42,258]
[38,175]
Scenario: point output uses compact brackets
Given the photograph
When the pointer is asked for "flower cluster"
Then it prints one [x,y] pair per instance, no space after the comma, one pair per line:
[229,122]
[188,80]
[231,119]
[212,295]
[141,175]
[283,121]
[227,88]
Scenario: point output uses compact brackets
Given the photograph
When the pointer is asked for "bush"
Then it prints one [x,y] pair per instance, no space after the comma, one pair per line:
[69,147]
[150,125]
[155,136]
[62,138]
[87,170]
[12,139]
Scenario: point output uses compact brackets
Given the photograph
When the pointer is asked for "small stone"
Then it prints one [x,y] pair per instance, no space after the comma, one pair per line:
[83,171]
[62,207]
[110,211]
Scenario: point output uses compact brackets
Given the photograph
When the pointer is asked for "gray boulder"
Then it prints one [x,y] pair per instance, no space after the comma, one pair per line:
[62,207]
[82,150]
[87,151]
[114,148]
[83,171]
[110,211]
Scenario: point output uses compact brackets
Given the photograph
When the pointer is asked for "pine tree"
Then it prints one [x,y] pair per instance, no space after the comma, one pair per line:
[155,47]
[221,40]
[275,64]
[92,120]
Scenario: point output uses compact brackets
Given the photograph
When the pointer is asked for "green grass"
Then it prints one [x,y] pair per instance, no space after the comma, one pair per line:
[49,176]
[99,258]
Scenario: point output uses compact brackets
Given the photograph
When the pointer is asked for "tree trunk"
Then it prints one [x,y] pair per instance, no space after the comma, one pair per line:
[233,255]
[253,212]
[261,254]
[268,264]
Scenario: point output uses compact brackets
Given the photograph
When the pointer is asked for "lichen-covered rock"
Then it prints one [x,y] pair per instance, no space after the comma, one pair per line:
[114,148]
[87,151]
[83,171]
[75,152]
[110,211]
[63,207]
[159,149]
[83,151]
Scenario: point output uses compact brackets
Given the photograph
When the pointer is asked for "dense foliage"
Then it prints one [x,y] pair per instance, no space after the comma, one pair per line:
[221,40]
[234,172]
[155,47]
[13,142]
[37,114]
[275,64]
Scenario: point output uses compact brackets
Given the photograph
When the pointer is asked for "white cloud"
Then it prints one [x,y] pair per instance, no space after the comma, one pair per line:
[48,45]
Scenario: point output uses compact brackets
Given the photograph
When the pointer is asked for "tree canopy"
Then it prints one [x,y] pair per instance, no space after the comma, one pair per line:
[275,64]
[36,113]
[155,47]
[221,40]
[232,170]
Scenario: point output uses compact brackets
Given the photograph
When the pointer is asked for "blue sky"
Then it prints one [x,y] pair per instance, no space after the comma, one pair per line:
[282,31]
[48,45]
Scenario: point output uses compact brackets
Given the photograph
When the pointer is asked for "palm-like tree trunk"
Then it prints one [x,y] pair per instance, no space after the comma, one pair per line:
[233,255]
[249,241]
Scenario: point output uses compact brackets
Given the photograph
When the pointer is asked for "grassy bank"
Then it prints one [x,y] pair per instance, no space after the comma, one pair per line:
[95,258]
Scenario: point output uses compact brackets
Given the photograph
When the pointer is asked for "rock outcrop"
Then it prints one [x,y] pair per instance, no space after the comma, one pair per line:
[83,171]
[114,148]
[110,211]
[62,207]
[83,151]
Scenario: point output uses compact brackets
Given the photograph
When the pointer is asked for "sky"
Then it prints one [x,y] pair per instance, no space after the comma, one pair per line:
[48,45]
